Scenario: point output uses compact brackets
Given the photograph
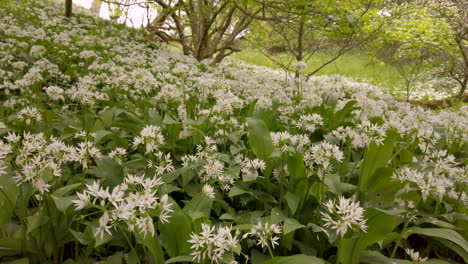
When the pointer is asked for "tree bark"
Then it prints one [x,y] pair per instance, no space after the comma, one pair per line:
[68,8]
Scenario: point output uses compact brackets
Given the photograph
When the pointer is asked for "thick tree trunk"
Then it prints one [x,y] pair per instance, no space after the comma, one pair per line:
[68,8]
[96,7]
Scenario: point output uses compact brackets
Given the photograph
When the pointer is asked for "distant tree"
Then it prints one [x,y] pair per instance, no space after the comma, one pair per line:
[428,35]
[68,8]
[204,28]
[302,28]
[452,45]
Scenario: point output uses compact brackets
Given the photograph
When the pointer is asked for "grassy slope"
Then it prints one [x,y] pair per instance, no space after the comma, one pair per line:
[354,65]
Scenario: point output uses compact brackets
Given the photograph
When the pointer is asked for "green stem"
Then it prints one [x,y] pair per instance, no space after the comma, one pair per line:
[460,195]
[397,244]
[129,243]
[270,251]
[338,257]
[7,198]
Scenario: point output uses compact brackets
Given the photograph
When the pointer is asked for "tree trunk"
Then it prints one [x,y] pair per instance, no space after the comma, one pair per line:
[463,87]
[300,46]
[96,7]
[68,8]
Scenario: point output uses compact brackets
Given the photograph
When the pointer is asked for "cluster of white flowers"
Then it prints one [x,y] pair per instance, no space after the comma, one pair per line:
[249,168]
[289,143]
[320,157]
[161,163]
[361,136]
[210,165]
[344,215]
[129,203]
[28,115]
[118,154]
[151,137]
[212,243]
[300,66]
[414,255]
[265,234]
[55,93]
[309,122]
[36,160]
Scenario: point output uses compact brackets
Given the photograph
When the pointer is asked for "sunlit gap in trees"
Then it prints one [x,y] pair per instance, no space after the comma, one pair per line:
[136,17]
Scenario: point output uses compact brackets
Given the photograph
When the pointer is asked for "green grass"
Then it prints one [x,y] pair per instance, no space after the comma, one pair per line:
[355,65]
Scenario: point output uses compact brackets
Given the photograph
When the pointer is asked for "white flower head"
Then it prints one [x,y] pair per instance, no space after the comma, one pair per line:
[344,215]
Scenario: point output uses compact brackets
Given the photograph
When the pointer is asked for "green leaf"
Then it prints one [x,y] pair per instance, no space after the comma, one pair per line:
[35,222]
[296,259]
[375,157]
[63,203]
[100,134]
[176,233]
[260,139]
[448,234]
[79,236]
[110,171]
[293,201]
[153,244]
[379,225]
[180,259]
[276,216]
[291,224]
[115,259]
[237,190]
[65,190]
[199,206]
[373,257]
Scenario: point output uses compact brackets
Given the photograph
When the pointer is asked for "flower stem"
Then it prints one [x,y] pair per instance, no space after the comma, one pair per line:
[129,243]
[397,244]
[270,251]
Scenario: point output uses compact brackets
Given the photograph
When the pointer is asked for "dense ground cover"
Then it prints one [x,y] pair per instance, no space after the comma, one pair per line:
[116,150]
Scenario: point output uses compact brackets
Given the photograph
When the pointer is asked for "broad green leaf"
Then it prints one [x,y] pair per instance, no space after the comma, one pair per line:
[298,185]
[199,206]
[63,203]
[115,259]
[276,216]
[293,201]
[260,139]
[8,196]
[79,236]
[296,259]
[237,190]
[152,243]
[100,135]
[176,233]
[35,222]
[374,257]
[456,248]
[110,171]
[180,259]
[379,225]
[448,234]
[291,224]
[65,190]
[375,157]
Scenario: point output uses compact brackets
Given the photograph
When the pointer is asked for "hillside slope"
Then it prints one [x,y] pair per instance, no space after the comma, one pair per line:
[113,148]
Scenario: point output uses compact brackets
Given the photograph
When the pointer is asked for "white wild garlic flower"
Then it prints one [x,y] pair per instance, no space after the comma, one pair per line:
[212,243]
[150,136]
[265,234]
[344,215]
